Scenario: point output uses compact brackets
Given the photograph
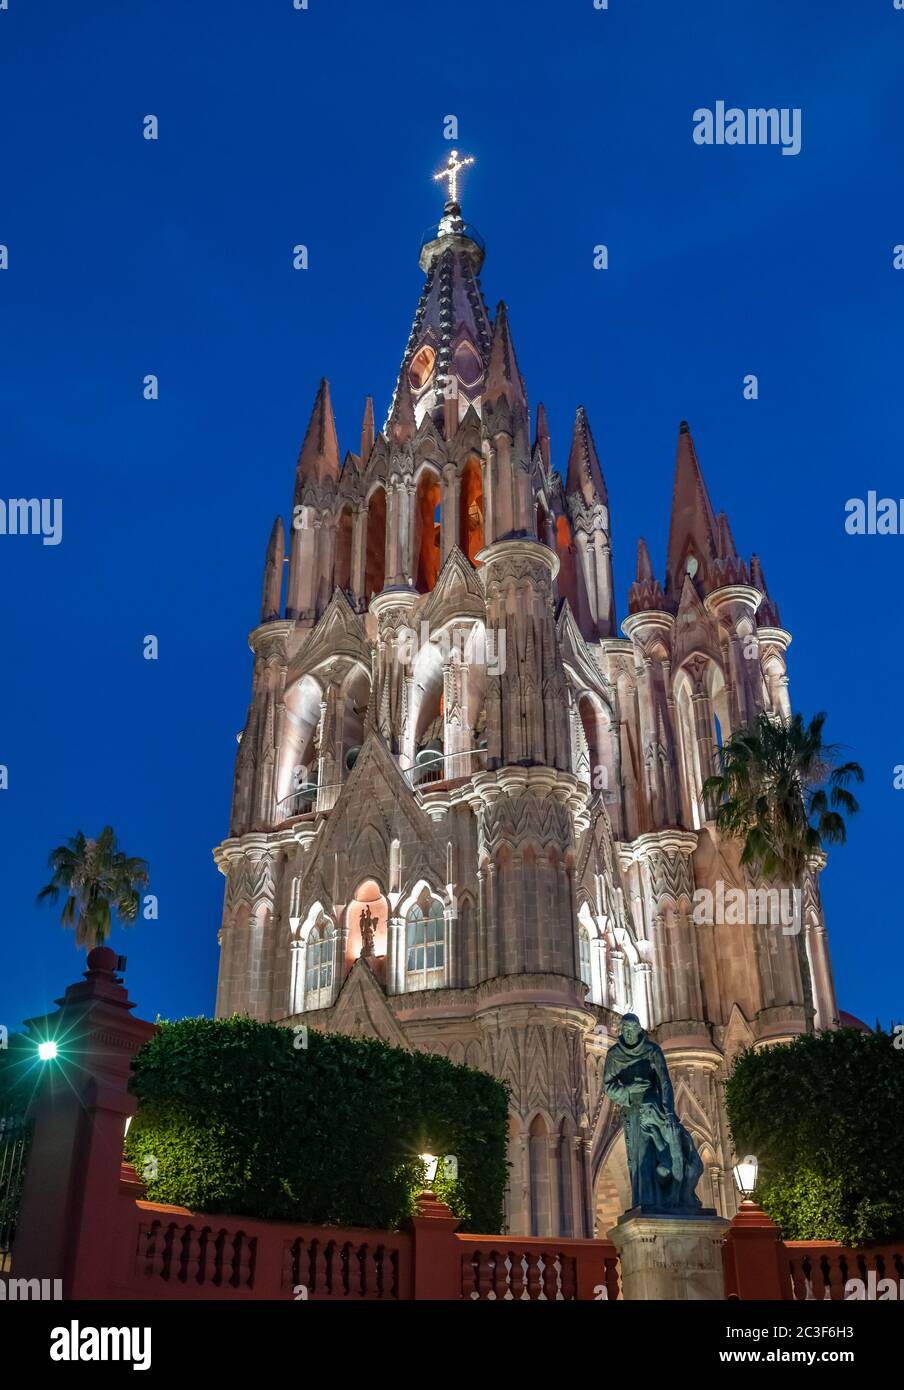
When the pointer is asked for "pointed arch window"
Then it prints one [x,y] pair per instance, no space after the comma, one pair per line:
[421,369]
[319,965]
[425,944]
[584,951]
[467,364]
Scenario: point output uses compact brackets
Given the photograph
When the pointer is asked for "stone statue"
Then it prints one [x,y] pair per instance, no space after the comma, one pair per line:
[662,1157]
[366,925]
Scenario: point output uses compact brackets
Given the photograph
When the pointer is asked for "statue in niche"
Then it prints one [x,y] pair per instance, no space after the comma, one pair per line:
[367,925]
[662,1157]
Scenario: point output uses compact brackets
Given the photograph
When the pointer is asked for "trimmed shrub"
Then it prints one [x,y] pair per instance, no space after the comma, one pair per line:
[823,1115]
[233,1117]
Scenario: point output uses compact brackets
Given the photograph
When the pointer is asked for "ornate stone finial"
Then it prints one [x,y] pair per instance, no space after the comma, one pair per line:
[451,172]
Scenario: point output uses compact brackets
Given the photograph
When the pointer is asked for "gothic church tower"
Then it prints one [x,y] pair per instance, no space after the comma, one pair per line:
[450,737]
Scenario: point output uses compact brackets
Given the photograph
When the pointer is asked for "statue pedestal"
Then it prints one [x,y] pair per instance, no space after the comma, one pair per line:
[670,1256]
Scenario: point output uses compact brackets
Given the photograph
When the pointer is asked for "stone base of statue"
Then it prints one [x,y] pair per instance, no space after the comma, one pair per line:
[670,1255]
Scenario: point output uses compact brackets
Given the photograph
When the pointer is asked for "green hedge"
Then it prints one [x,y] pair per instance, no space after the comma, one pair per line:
[823,1115]
[237,1119]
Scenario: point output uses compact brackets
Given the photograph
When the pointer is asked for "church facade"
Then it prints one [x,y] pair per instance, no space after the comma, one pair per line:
[468,812]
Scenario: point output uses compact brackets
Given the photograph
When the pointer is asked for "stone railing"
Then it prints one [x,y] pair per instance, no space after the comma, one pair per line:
[534,1269]
[758,1264]
[820,1269]
[168,1252]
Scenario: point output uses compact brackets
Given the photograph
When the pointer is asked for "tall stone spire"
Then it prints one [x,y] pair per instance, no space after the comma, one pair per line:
[646,592]
[503,377]
[367,431]
[401,424]
[588,506]
[767,615]
[309,552]
[319,456]
[541,438]
[693,529]
[584,473]
[273,568]
[448,349]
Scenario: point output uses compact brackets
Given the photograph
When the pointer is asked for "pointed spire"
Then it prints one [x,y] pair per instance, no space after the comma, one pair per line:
[727,548]
[273,572]
[319,457]
[644,563]
[767,615]
[402,424]
[727,568]
[645,593]
[693,529]
[503,376]
[367,431]
[541,438]
[584,473]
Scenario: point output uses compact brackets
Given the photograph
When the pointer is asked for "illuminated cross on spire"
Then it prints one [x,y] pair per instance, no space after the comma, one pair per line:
[451,172]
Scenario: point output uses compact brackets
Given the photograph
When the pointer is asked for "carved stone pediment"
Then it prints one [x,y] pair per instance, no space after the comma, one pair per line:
[457,593]
[339,634]
[361,1011]
[375,807]
[693,631]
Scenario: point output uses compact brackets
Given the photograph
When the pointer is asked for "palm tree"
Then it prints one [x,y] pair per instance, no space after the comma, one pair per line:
[96,877]
[784,792]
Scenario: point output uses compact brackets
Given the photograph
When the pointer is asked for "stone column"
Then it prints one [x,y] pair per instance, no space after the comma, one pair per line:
[359,552]
[395,949]
[449,520]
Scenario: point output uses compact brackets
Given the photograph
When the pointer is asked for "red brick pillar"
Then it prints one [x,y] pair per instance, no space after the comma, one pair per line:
[753,1256]
[69,1206]
[437,1254]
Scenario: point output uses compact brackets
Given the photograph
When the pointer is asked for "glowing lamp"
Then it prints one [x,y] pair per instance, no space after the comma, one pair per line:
[431,1163]
[745,1175]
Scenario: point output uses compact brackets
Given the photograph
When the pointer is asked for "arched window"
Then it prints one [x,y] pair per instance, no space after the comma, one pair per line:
[319,962]
[470,520]
[427,532]
[584,942]
[421,369]
[342,576]
[375,563]
[425,944]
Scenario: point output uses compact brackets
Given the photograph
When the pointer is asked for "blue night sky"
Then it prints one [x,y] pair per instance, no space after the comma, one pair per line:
[323,127]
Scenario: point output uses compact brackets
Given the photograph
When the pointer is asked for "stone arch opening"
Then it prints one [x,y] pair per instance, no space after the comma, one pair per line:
[375,554]
[342,571]
[612,1187]
[367,926]
[596,722]
[296,785]
[567,578]
[426,531]
[471,511]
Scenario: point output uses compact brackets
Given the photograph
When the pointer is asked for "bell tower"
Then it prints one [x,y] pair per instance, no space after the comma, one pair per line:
[468,812]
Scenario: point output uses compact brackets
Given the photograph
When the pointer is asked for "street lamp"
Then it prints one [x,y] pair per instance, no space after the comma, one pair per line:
[434,1164]
[745,1175]
[47,1051]
[431,1163]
